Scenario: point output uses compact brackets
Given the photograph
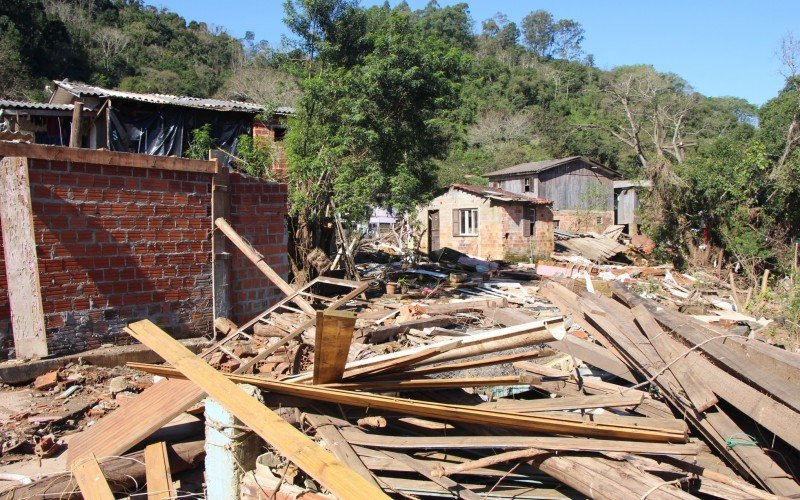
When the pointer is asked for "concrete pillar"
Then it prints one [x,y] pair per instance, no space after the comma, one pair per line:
[231,450]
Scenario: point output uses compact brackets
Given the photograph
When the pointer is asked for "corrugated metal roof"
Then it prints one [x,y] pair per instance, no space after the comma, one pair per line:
[531,167]
[540,166]
[82,89]
[500,194]
[34,105]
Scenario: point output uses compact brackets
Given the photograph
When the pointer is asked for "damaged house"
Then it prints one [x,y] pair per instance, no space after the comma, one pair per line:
[488,222]
[585,194]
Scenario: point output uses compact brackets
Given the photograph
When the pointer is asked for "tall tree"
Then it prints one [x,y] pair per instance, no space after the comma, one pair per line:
[547,37]
[367,135]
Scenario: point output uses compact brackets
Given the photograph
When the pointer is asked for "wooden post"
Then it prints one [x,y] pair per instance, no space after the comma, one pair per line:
[221,257]
[75,129]
[334,333]
[22,266]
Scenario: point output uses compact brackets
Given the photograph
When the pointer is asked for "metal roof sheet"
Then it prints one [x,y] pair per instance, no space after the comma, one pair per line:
[531,167]
[500,194]
[4,104]
[82,89]
[540,166]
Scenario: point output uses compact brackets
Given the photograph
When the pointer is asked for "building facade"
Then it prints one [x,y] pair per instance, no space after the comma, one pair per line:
[488,223]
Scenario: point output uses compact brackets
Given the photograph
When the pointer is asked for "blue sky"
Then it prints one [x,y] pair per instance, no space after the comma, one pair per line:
[722,48]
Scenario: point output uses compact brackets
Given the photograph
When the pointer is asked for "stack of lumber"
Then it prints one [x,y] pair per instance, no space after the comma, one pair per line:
[738,395]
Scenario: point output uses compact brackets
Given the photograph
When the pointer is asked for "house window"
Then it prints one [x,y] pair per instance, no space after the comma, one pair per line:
[599,220]
[465,222]
[527,188]
[555,224]
[528,221]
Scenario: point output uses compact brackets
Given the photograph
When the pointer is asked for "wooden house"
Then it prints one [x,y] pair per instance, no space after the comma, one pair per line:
[488,223]
[582,191]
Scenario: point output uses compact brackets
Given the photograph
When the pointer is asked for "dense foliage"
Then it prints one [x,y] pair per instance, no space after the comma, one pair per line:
[118,43]
[393,103]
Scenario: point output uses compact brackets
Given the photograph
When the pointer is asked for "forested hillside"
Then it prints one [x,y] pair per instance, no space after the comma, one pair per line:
[393,102]
[121,44]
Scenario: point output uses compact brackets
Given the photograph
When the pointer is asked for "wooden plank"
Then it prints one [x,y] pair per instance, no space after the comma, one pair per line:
[386,333]
[623,400]
[21,262]
[582,349]
[430,383]
[334,334]
[157,473]
[698,393]
[763,466]
[259,261]
[470,345]
[389,367]
[290,442]
[729,358]
[338,445]
[476,363]
[120,430]
[90,479]
[102,157]
[643,429]
[123,474]
[426,470]
[117,432]
[594,355]
[605,479]
[356,436]
[564,384]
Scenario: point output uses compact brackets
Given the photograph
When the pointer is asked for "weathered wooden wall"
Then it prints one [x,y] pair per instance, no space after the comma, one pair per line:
[575,186]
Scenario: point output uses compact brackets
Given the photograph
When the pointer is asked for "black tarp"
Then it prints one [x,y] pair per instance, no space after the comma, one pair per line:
[166,130]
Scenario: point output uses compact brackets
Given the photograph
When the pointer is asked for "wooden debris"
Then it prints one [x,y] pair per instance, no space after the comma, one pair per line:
[334,335]
[672,431]
[293,444]
[90,479]
[157,472]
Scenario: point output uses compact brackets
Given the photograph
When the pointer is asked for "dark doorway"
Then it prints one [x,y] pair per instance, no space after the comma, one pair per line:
[433,231]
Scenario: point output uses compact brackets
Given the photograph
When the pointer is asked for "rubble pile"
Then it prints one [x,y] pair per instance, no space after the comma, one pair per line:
[446,377]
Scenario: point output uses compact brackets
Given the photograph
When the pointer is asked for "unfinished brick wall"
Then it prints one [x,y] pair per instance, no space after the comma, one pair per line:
[258,213]
[119,244]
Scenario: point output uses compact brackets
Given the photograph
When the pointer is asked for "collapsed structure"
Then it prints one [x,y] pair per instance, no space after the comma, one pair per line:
[479,380]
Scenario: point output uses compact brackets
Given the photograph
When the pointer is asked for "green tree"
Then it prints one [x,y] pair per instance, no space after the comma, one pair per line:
[547,37]
[367,135]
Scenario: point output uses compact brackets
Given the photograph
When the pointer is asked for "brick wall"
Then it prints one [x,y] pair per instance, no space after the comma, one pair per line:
[258,213]
[119,244]
[266,131]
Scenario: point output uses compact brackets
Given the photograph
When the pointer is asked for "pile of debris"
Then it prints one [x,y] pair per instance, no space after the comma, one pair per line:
[477,382]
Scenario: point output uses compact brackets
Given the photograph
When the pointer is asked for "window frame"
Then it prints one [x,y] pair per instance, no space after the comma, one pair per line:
[467,222]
